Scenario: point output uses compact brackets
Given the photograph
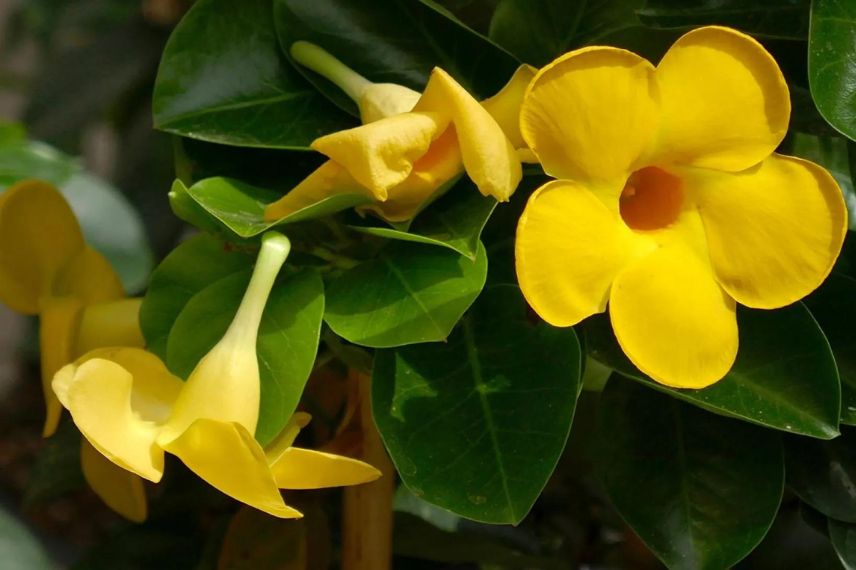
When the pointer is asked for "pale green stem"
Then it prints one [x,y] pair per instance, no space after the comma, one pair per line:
[274,251]
[321,62]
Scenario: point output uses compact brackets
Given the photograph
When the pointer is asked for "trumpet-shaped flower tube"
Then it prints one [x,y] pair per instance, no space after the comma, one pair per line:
[411,146]
[133,411]
[670,205]
[46,268]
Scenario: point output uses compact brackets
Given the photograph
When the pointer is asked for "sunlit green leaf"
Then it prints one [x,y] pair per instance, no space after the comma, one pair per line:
[476,425]
[191,267]
[409,293]
[241,207]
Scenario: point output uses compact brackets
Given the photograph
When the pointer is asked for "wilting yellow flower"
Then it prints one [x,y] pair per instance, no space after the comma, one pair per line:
[47,269]
[411,146]
[133,410]
[670,204]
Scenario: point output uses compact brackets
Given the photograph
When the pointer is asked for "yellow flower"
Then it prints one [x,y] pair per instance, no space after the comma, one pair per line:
[411,147]
[47,269]
[133,410]
[670,204]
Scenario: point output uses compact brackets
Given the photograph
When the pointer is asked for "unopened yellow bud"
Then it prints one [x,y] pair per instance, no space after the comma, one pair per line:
[374,100]
[225,384]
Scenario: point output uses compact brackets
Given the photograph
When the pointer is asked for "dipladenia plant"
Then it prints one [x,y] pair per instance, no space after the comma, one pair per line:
[439,244]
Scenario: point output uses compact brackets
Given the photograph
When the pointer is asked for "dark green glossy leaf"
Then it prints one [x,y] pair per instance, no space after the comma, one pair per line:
[241,207]
[455,221]
[784,377]
[831,152]
[476,425]
[287,343]
[831,52]
[780,19]
[396,41]
[192,266]
[833,305]
[843,538]
[537,32]
[823,473]
[223,79]
[699,489]
[410,293]
[122,241]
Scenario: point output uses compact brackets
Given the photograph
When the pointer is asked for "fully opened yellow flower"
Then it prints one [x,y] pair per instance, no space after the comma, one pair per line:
[47,269]
[670,204]
[133,410]
[411,146]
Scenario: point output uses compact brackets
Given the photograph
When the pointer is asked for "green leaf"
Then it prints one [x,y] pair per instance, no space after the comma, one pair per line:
[287,343]
[454,221]
[843,538]
[409,293]
[19,549]
[699,489]
[223,79]
[476,425]
[833,305]
[823,473]
[538,32]
[784,377]
[110,224]
[774,19]
[831,51]
[241,207]
[393,41]
[190,267]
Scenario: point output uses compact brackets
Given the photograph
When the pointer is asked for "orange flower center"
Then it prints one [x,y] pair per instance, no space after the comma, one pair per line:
[651,200]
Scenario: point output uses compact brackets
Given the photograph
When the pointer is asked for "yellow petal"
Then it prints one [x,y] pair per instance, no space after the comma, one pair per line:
[229,459]
[725,102]
[432,175]
[114,323]
[120,490]
[299,468]
[569,248]
[591,115]
[381,154]
[504,107]
[118,398]
[38,236]
[489,157]
[89,277]
[774,230]
[673,320]
[327,180]
[58,325]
